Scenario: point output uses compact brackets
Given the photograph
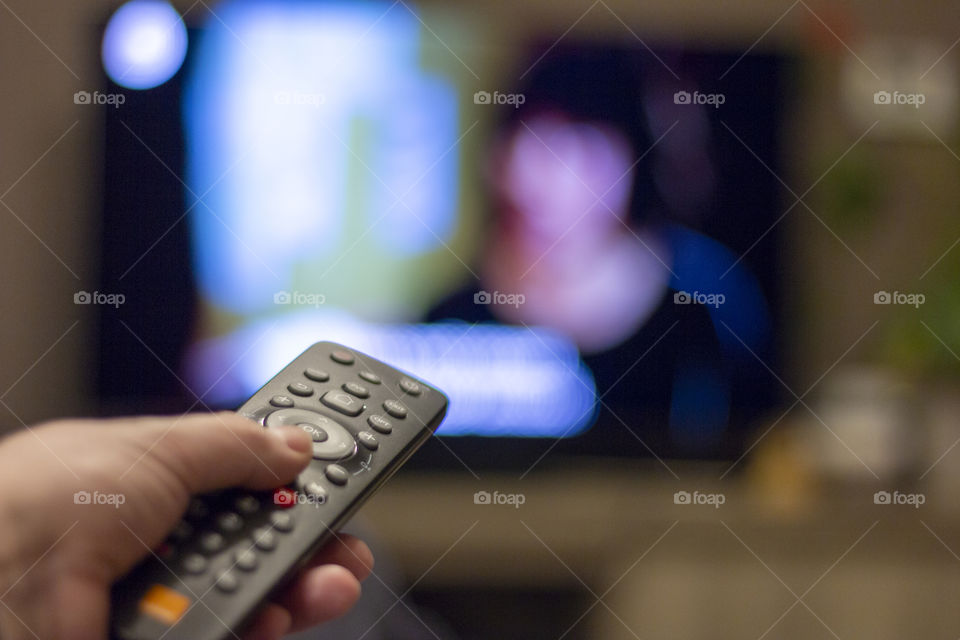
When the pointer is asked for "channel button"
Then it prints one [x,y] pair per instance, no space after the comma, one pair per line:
[394,408]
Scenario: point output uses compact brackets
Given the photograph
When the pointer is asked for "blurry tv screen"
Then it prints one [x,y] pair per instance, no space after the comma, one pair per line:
[563,237]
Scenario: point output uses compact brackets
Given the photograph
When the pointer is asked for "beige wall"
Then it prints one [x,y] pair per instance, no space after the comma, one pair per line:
[54,198]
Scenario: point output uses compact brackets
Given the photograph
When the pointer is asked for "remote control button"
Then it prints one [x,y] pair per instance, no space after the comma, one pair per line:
[316,491]
[211,542]
[316,433]
[246,505]
[162,603]
[342,357]
[370,377]
[342,402]
[368,440]
[394,408]
[229,522]
[356,389]
[340,446]
[197,509]
[194,563]
[317,375]
[281,520]
[182,532]
[410,386]
[264,539]
[246,560]
[284,497]
[227,582]
[336,474]
[332,441]
[300,389]
[379,423]
[281,401]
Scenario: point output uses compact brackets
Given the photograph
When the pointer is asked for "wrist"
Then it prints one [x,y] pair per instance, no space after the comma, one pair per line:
[22,537]
[12,569]
[11,529]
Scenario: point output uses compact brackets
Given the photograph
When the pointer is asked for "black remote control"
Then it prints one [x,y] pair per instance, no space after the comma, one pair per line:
[235,548]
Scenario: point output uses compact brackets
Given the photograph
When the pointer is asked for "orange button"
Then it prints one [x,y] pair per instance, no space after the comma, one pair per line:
[164,604]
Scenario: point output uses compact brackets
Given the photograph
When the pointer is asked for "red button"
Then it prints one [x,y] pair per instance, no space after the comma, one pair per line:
[284,497]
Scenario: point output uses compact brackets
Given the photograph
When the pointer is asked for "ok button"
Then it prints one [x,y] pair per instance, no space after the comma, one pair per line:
[318,434]
[331,440]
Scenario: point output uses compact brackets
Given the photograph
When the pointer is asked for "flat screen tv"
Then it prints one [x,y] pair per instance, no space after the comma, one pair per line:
[576,240]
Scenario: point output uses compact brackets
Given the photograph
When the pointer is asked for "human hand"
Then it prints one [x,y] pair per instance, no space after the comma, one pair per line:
[58,559]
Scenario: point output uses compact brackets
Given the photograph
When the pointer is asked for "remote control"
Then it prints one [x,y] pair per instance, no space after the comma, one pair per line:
[234,548]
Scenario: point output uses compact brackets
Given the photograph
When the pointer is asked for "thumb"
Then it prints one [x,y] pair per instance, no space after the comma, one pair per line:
[220,450]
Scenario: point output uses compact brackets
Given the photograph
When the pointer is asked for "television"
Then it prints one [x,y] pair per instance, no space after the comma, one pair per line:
[576,240]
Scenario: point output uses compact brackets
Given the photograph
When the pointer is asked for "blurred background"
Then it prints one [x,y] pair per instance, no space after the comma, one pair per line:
[687,271]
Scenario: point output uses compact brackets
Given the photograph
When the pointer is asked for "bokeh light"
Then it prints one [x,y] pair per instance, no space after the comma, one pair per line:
[144,44]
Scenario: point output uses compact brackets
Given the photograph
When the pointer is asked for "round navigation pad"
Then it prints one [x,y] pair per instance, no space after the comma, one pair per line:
[331,440]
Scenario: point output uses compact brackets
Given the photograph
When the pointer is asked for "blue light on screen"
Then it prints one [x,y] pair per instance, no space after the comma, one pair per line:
[144,44]
[703,264]
[501,380]
[323,134]
[313,127]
